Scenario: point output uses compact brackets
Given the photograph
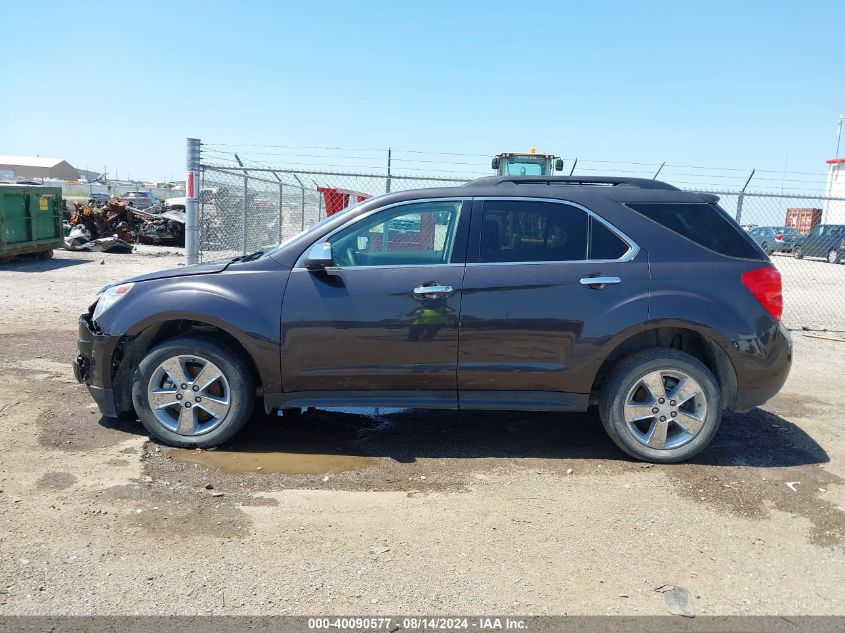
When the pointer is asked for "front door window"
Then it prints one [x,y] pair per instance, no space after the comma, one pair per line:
[406,235]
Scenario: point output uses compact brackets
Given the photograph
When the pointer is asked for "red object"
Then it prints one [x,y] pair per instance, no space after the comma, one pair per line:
[338,199]
[765,284]
[835,161]
[779,237]
[803,220]
[190,190]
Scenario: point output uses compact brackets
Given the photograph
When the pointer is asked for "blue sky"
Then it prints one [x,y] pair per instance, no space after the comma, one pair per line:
[736,84]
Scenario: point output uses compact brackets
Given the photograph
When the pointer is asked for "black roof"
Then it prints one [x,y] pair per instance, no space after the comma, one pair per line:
[585,190]
[600,181]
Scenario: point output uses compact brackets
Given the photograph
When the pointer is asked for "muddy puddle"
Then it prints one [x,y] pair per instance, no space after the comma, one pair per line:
[315,444]
[273,462]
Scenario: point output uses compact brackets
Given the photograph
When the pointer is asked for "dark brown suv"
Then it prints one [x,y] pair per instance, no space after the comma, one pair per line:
[507,293]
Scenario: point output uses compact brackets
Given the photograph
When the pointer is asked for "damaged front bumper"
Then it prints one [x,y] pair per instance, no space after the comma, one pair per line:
[93,365]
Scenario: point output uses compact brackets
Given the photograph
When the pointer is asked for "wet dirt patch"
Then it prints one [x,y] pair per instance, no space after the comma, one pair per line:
[176,512]
[56,480]
[238,460]
[67,422]
[791,405]
[769,463]
[65,419]
[411,451]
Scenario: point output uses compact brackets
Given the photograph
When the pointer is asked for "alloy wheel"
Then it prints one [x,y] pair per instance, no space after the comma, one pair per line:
[665,409]
[189,395]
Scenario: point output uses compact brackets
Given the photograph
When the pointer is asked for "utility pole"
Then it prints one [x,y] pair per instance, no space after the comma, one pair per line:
[838,136]
[192,198]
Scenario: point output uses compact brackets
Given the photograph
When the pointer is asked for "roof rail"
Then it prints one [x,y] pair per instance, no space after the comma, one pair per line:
[600,181]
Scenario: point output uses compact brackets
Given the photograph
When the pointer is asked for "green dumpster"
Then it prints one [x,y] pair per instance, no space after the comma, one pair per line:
[30,220]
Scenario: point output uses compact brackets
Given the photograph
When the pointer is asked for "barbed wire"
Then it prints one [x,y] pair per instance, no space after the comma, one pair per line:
[413,161]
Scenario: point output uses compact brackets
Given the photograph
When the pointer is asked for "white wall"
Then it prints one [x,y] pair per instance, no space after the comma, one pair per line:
[834,210]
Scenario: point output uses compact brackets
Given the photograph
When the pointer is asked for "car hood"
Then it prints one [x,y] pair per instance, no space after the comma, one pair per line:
[183,271]
[230,265]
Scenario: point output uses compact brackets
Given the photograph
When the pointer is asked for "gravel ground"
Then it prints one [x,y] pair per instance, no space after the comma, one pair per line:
[398,511]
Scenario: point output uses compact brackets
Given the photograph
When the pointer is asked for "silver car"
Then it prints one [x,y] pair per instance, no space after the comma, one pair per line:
[139,199]
[776,239]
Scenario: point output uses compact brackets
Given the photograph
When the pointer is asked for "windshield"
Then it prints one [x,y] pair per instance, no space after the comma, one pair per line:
[313,227]
[525,166]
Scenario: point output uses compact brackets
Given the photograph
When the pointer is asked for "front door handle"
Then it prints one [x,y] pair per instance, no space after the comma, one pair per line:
[432,291]
[599,282]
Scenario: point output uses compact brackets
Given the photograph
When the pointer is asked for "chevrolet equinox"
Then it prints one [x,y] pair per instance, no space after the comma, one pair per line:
[508,293]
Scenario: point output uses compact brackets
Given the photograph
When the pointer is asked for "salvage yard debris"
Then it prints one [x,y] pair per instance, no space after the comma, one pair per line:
[113,226]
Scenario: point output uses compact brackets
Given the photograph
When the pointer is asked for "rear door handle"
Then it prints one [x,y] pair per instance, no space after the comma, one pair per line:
[600,281]
[432,291]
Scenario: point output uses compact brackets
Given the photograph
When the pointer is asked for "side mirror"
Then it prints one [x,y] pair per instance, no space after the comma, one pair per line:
[319,257]
[559,164]
[495,164]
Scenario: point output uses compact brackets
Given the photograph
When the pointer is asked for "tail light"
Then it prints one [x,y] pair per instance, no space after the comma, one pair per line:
[765,284]
[779,237]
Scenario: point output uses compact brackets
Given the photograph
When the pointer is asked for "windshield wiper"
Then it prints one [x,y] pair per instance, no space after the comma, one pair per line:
[247,258]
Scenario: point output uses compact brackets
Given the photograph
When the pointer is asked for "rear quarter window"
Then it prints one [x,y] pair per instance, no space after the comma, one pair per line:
[702,223]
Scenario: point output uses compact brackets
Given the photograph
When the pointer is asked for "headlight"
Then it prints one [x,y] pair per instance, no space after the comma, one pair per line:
[109,296]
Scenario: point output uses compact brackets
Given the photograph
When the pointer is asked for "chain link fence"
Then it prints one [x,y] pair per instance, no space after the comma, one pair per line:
[280,203]
[246,208]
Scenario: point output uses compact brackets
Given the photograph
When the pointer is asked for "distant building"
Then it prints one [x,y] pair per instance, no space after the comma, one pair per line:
[834,210]
[90,176]
[37,167]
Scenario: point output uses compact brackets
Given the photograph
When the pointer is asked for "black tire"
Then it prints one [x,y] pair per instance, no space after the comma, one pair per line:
[628,373]
[241,390]
[797,253]
[768,250]
[834,256]
[46,254]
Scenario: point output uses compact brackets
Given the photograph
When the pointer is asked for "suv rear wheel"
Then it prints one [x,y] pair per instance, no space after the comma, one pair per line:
[192,392]
[661,405]
[833,256]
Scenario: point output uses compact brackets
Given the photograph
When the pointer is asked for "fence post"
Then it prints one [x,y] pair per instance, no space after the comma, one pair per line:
[246,197]
[319,201]
[741,197]
[389,153]
[281,212]
[303,200]
[192,168]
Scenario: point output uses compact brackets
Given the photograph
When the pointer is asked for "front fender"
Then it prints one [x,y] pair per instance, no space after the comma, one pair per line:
[245,305]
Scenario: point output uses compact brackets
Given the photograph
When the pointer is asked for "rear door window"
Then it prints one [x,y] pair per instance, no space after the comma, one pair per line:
[527,231]
[702,223]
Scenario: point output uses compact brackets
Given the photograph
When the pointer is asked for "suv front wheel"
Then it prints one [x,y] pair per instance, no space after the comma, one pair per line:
[661,405]
[192,392]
